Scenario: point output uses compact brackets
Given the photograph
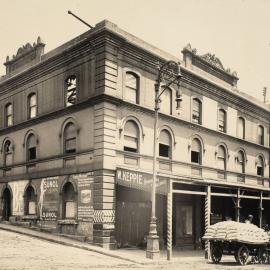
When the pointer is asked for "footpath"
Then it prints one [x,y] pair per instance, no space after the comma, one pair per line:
[129,254]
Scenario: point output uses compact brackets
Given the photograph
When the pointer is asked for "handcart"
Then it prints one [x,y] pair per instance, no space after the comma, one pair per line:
[241,251]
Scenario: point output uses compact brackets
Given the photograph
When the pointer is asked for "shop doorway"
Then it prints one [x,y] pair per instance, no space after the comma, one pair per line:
[6,200]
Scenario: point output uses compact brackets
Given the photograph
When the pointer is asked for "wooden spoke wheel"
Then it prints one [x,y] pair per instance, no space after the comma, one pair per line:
[216,253]
[242,255]
[263,256]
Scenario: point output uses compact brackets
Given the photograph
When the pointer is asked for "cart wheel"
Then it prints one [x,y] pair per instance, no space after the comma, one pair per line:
[263,256]
[236,256]
[242,255]
[216,253]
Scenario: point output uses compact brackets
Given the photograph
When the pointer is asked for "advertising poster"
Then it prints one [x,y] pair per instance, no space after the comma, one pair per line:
[48,200]
[18,188]
[85,200]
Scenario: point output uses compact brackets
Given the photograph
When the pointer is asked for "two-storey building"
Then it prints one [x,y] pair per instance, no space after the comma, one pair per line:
[76,134]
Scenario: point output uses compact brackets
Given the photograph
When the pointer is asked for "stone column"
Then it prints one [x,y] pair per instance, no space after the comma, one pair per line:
[207,220]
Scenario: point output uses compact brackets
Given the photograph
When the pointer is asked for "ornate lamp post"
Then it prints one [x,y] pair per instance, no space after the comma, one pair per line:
[169,73]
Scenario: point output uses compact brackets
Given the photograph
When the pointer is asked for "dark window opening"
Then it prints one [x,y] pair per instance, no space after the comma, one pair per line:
[129,149]
[195,157]
[259,171]
[164,150]
[71,145]
[32,153]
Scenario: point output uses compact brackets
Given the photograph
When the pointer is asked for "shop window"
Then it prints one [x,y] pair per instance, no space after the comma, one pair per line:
[196,151]
[71,90]
[30,201]
[7,153]
[9,115]
[69,201]
[260,166]
[31,147]
[222,120]
[32,106]
[165,143]
[241,128]
[70,135]
[131,134]
[261,135]
[132,87]
[197,111]
[166,101]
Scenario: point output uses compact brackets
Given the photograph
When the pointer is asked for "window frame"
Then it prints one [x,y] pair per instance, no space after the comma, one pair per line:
[74,89]
[28,149]
[260,138]
[197,119]
[243,135]
[168,146]
[222,128]
[69,138]
[8,115]
[198,153]
[262,166]
[30,107]
[66,199]
[6,154]
[128,88]
[134,137]
[162,110]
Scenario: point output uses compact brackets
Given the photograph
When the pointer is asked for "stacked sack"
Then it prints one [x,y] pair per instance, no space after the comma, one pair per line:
[235,231]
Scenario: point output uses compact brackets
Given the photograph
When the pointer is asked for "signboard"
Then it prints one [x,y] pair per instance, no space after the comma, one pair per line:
[48,200]
[18,188]
[85,199]
[140,180]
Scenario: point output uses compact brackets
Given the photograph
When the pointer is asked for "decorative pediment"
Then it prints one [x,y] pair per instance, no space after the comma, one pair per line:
[213,60]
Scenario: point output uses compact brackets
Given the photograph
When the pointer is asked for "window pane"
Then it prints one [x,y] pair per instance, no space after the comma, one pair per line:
[165,137]
[9,120]
[221,152]
[32,100]
[32,153]
[31,141]
[33,112]
[221,163]
[71,145]
[196,111]
[260,135]
[259,171]
[131,87]
[222,121]
[130,144]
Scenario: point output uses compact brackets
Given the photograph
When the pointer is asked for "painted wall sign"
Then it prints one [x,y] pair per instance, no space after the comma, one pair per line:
[48,200]
[140,180]
[18,188]
[85,199]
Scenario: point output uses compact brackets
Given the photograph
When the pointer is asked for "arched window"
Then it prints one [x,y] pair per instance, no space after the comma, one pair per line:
[166,101]
[9,115]
[131,135]
[70,135]
[32,105]
[222,125]
[31,145]
[132,87]
[30,201]
[197,111]
[165,144]
[196,151]
[260,166]
[221,157]
[7,153]
[261,135]
[69,201]
[240,162]
[241,128]
[71,90]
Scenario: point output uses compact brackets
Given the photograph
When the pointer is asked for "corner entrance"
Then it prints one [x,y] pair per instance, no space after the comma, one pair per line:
[6,202]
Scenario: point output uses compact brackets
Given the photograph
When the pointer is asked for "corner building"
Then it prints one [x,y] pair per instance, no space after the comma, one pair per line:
[76,134]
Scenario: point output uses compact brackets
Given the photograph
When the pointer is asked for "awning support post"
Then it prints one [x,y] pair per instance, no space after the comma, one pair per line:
[207,214]
[169,220]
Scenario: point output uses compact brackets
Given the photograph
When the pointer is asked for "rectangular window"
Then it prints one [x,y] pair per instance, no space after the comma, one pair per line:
[195,157]
[164,150]
[71,94]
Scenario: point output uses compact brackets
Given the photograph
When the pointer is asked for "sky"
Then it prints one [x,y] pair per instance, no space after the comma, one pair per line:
[236,31]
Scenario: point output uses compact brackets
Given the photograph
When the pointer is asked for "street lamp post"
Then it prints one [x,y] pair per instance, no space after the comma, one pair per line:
[167,77]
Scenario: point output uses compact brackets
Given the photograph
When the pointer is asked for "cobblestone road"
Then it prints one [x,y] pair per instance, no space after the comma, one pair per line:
[20,252]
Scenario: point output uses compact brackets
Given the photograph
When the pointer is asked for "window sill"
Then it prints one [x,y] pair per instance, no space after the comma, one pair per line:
[67,222]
